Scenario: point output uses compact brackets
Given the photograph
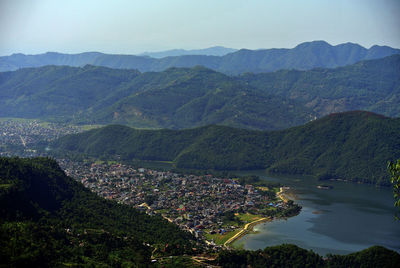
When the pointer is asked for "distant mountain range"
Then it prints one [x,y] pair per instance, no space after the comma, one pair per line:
[192,97]
[305,56]
[211,51]
[353,146]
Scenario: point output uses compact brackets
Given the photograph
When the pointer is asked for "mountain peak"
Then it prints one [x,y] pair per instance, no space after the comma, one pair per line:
[317,43]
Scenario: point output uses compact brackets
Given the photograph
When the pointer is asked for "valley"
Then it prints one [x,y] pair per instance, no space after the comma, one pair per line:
[209,134]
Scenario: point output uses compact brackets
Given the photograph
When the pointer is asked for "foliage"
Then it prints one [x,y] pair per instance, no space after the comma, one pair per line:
[353,146]
[375,256]
[394,170]
[287,255]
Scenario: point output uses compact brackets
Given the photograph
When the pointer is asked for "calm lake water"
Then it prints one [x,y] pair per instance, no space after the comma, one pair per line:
[348,218]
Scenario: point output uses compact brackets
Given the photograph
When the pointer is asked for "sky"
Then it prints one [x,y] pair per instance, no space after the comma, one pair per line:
[132,27]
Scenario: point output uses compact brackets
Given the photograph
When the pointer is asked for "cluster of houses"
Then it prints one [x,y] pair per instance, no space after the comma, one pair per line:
[16,134]
[195,203]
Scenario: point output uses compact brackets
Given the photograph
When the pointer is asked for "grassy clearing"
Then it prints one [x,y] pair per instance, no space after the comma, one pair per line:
[246,218]
[220,239]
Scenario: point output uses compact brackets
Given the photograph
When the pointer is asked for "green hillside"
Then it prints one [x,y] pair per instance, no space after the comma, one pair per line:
[367,85]
[47,219]
[352,146]
[59,92]
[184,98]
[175,98]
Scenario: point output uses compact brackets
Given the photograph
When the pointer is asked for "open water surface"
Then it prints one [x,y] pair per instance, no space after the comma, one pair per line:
[348,218]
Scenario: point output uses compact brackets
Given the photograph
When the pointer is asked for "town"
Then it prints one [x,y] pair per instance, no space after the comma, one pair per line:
[19,137]
[213,209]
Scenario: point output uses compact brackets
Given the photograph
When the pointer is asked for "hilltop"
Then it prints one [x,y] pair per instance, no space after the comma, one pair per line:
[353,146]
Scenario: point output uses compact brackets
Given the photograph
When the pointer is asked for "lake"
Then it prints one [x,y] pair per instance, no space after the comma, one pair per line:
[348,218]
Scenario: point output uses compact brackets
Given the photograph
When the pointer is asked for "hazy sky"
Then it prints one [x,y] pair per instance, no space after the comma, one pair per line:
[130,26]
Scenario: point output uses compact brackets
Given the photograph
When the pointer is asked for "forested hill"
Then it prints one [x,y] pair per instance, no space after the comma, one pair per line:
[191,97]
[372,85]
[48,219]
[352,145]
[175,98]
[305,56]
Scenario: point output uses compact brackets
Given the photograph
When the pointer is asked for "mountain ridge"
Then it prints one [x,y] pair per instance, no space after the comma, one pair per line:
[304,56]
[210,51]
[338,146]
[188,97]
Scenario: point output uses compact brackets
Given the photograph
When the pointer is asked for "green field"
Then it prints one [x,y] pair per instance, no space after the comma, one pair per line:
[220,239]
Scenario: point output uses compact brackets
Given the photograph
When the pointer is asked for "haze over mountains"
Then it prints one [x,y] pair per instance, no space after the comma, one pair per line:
[211,51]
[191,97]
[305,56]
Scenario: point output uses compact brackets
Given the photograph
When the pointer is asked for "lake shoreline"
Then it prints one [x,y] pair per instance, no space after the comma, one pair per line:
[250,226]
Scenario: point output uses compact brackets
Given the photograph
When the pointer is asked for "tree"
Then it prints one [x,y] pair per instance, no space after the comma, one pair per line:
[394,170]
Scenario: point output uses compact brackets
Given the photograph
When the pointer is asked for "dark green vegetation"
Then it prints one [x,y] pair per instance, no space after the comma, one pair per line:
[293,256]
[367,85]
[394,171]
[353,146]
[176,98]
[183,98]
[47,219]
[305,56]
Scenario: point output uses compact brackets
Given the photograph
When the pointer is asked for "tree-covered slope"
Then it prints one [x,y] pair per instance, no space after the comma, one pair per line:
[58,91]
[182,98]
[305,56]
[287,255]
[47,218]
[372,85]
[175,98]
[353,146]
[190,97]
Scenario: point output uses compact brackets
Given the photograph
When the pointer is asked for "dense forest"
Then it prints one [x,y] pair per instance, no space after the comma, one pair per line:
[48,219]
[352,146]
[292,256]
[180,98]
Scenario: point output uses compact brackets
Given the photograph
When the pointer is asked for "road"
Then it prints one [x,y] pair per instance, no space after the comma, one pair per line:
[245,229]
